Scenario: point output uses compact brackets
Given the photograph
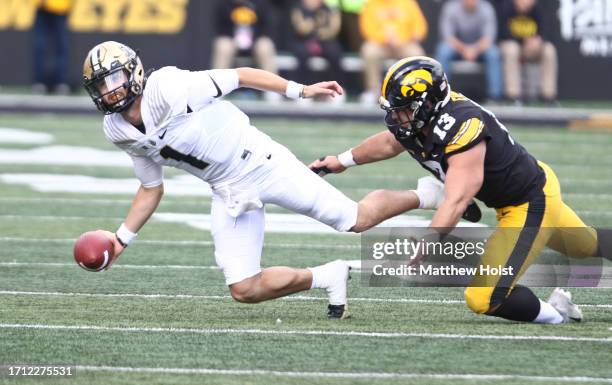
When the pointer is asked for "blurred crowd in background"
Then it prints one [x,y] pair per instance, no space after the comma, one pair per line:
[506,36]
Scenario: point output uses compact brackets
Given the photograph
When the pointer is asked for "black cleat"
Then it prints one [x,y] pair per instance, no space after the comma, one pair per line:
[472,213]
[338,312]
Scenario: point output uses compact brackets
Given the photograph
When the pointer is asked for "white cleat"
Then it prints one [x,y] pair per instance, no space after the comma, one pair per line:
[337,289]
[430,192]
[561,300]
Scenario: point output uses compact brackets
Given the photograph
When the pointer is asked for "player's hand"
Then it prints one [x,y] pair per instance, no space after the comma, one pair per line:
[329,89]
[327,165]
[118,249]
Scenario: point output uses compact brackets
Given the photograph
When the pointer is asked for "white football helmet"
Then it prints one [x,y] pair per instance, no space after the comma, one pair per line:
[113,75]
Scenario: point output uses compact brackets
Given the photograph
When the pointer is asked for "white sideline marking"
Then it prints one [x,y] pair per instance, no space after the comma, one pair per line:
[304,333]
[16,135]
[373,375]
[188,243]
[223,297]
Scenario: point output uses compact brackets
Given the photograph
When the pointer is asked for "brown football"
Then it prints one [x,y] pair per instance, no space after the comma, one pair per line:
[93,251]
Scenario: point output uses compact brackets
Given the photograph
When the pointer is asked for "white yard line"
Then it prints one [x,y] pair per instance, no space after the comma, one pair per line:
[108,201]
[59,217]
[224,297]
[117,266]
[354,375]
[189,243]
[325,333]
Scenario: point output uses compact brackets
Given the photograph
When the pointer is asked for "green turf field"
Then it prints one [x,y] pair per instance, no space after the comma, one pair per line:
[162,315]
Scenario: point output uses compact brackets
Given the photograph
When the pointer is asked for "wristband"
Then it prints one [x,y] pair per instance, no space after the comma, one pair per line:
[294,90]
[346,158]
[124,235]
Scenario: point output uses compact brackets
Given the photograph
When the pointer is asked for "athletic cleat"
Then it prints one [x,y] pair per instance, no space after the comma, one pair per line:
[337,290]
[561,300]
[338,311]
[472,213]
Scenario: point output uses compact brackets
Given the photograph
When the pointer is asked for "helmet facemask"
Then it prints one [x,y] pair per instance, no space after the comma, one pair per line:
[420,111]
[112,92]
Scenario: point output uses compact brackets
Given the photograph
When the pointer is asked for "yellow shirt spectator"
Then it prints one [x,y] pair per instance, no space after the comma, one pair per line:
[58,7]
[398,21]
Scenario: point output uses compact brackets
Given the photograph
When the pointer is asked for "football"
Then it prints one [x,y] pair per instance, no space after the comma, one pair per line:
[93,251]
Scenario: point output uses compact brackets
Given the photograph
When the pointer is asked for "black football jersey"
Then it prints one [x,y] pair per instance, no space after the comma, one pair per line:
[511,175]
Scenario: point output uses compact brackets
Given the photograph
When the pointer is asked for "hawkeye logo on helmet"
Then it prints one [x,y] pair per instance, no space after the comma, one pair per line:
[416,81]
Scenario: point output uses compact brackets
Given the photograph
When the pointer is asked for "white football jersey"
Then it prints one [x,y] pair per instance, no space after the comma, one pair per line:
[188,127]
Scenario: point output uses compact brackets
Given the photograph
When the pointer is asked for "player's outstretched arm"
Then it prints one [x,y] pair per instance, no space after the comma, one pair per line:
[375,148]
[143,206]
[267,81]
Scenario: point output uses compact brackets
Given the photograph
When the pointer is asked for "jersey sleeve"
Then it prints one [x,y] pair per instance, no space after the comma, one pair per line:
[205,86]
[469,133]
[149,173]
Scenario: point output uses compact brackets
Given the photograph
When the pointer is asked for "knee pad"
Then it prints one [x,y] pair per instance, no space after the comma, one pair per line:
[478,298]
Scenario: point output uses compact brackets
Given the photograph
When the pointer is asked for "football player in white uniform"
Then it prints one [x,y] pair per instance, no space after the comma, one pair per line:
[175,117]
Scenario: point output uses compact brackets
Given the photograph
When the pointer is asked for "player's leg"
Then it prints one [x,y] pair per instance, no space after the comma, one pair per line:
[572,237]
[238,245]
[522,233]
[292,185]
[295,187]
[380,205]
[516,242]
[576,240]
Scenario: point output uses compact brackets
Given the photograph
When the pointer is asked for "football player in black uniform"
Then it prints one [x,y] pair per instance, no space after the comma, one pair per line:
[472,153]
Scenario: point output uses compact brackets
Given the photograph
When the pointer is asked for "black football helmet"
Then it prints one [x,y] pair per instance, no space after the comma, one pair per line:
[417,84]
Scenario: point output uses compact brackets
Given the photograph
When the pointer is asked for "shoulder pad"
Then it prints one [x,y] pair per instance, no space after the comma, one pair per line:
[459,126]
[468,134]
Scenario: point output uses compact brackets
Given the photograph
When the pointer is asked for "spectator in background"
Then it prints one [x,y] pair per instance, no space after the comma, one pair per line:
[350,35]
[468,30]
[392,29]
[243,27]
[315,27]
[523,35]
[51,34]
